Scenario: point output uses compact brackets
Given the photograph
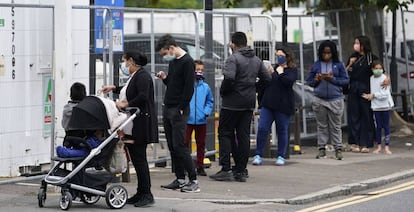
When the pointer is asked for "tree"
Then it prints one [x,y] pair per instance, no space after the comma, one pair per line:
[167,4]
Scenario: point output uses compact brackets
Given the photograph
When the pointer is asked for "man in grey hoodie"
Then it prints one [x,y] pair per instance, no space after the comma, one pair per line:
[238,92]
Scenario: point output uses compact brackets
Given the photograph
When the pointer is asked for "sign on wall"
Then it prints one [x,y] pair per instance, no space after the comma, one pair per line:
[117,25]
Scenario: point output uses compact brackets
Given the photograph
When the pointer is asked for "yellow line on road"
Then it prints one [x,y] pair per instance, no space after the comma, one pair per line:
[360,198]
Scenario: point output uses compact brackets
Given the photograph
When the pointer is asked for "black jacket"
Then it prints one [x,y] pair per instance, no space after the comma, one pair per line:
[140,93]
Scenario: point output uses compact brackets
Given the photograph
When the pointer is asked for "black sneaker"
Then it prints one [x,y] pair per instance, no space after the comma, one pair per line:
[201,172]
[245,172]
[191,187]
[241,177]
[134,198]
[321,154]
[173,185]
[146,200]
[338,154]
[223,176]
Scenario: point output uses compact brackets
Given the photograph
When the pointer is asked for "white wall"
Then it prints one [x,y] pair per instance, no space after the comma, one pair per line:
[22,140]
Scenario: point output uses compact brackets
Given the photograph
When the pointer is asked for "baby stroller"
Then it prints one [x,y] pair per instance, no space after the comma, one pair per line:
[87,178]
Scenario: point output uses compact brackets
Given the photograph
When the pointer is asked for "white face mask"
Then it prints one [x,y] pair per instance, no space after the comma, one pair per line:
[168,57]
[124,69]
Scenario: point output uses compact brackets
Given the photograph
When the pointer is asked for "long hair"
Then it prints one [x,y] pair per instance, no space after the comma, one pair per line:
[291,63]
[331,45]
[365,43]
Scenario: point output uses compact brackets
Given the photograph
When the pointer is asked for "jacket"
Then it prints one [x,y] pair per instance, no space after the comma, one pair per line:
[140,93]
[279,95]
[238,89]
[382,100]
[328,90]
[201,104]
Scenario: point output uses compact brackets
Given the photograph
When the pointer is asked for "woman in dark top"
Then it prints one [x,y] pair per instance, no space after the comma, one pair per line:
[139,92]
[277,105]
[360,117]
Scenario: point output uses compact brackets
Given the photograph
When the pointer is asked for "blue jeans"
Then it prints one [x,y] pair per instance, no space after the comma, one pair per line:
[267,116]
[382,119]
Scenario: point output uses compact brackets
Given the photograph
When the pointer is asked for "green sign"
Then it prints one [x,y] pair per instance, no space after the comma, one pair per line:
[1,22]
[47,106]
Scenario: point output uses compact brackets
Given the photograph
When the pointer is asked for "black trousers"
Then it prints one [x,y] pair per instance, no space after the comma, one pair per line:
[361,126]
[138,154]
[234,138]
[174,127]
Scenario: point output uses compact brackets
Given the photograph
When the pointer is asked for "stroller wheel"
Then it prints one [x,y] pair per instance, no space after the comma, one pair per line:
[89,198]
[41,197]
[116,196]
[66,200]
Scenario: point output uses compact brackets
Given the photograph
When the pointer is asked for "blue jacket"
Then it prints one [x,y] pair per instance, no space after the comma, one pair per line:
[201,104]
[328,90]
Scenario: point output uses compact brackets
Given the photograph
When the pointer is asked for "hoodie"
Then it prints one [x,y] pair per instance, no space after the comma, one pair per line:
[238,89]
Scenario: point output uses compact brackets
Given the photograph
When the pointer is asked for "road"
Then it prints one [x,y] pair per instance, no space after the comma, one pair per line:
[397,197]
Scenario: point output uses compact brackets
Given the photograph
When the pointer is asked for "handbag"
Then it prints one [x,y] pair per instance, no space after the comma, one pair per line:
[118,162]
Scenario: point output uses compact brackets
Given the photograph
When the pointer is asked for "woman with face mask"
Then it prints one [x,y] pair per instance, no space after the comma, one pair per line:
[328,76]
[138,92]
[277,104]
[361,129]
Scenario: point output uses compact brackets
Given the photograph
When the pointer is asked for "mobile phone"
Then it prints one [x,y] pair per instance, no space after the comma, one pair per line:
[267,63]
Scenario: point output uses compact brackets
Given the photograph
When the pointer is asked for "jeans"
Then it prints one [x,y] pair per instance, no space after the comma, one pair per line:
[382,120]
[267,116]
[174,126]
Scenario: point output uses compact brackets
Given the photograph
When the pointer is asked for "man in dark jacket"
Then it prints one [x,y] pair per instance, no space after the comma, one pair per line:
[238,92]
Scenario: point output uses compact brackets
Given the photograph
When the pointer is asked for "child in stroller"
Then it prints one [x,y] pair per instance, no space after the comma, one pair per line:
[79,176]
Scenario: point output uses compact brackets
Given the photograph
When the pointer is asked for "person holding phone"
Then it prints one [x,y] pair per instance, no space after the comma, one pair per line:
[328,76]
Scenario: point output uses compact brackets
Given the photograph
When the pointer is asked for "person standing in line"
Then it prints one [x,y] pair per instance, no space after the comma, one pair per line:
[201,106]
[328,76]
[360,117]
[382,104]
[277,104]
[238,92]
[180,87]
[139,92]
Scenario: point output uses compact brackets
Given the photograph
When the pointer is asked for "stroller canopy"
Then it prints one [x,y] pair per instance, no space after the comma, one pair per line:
[89,114]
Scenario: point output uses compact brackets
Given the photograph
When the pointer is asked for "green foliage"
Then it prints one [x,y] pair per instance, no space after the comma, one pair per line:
[166,4]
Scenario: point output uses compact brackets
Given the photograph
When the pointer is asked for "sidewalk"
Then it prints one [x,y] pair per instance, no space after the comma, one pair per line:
[302,180]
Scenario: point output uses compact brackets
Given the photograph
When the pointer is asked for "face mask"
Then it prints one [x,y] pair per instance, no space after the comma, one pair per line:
[124,69]
[377,72]
[357,48]
[281,60]
[168,57]
[198,75]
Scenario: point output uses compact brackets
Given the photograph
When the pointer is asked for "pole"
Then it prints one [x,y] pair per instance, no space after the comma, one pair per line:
[393,65]
[209,71]
[284,22]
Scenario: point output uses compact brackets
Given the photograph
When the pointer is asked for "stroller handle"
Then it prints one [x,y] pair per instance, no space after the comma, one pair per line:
[129,109]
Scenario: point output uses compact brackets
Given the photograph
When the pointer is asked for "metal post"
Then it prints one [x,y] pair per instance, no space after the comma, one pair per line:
[284,22]
[393,65]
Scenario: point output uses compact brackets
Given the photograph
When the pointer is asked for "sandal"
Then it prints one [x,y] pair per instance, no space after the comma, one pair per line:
[365,150]
[355,148]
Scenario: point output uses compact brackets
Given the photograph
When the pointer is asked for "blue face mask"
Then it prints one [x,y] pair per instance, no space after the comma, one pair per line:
[168,57]
[281,60]
[124,69]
